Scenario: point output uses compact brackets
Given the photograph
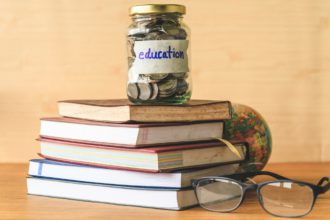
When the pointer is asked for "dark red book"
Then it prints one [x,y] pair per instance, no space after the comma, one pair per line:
[152,159]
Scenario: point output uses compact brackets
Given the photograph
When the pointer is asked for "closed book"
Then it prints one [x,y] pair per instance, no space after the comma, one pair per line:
[67,171]
[152,159]
[161,198]
[128,134]
[121,110]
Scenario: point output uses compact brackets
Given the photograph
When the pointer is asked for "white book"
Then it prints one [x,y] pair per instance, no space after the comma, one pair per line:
[161,198]
[127,134]
[178,179]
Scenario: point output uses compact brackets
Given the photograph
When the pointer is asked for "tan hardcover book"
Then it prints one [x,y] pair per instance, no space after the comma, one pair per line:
[176,156]
[121,110]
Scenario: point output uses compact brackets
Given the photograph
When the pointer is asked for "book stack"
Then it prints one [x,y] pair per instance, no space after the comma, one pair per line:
[114,152]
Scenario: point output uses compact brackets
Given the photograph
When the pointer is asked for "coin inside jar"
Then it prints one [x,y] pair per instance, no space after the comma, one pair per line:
[132,90]
[138,31]
[145,91]
[182,87]
[146,78]
[155,91]
[167,88]
[130,62]
[179,75]
[158,35]
[158,77]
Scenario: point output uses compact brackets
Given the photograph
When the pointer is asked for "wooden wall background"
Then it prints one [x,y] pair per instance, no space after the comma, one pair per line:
[273,55]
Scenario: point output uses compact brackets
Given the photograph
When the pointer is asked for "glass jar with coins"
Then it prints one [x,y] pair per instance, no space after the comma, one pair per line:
[158,57]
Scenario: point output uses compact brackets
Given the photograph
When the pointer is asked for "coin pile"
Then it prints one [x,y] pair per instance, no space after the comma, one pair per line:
[152,86]
[160,85]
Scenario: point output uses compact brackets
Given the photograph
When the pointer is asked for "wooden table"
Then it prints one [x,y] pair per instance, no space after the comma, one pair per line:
[16,204]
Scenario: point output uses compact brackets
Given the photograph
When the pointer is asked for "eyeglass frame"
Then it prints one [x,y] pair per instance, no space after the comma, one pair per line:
[240,177]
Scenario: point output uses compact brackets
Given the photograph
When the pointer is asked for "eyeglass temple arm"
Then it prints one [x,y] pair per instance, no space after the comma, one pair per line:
[326,187]
[257,173]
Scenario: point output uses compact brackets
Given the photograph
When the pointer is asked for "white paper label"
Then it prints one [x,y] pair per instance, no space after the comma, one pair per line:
[159,56]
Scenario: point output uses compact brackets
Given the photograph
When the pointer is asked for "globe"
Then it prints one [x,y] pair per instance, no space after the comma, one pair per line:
[249,126]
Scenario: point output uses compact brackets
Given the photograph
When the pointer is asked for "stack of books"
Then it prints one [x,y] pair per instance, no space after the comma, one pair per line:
[114,152]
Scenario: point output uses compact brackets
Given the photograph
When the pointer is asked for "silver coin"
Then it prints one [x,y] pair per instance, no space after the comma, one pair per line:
[130,62]
[158,77]
[150,24]
[132,90]
[182,87]
[167,88]
[170,23]
[172,30]
[159,35]
[144,78]
[155,91]
[145,91]
[138,31]
[154,36]
[168,85]
[166,94]
[130,47]
[180,75]
[181,35]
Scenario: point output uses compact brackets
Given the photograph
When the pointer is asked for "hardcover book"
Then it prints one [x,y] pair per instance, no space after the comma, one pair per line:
[152,159]
[121,110]
[75,172]
[161,198]
[128,134]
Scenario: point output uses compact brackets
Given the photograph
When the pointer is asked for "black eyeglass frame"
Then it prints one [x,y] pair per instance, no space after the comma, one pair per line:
[320,188]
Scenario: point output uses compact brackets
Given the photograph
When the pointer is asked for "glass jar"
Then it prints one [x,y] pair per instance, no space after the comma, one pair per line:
[158,55]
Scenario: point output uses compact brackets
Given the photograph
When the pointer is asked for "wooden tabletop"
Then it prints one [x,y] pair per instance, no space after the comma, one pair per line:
[16,204]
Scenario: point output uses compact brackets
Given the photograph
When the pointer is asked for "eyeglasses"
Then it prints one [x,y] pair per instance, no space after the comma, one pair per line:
[283,197]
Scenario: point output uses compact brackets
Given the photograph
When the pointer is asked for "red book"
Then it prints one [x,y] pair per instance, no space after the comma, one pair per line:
[152,159]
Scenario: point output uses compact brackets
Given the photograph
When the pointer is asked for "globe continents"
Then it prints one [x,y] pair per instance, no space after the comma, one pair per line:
[249,126]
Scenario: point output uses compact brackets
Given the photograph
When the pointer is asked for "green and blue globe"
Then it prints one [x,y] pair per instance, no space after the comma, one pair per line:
[249,126]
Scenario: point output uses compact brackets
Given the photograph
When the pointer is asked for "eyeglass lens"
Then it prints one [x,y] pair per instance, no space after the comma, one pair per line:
[287,199]
[219,195]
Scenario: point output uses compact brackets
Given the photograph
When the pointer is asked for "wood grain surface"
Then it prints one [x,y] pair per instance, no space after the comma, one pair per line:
[16,205]
[272,55]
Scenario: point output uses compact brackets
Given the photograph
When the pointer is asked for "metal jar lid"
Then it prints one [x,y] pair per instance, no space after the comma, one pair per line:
[157,9]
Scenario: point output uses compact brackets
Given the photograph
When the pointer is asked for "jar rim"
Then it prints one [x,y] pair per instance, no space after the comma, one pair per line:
[157,9]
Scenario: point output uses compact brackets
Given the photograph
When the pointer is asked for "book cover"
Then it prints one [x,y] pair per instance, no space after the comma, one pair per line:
[128,134]
[151,159]
[121,110]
